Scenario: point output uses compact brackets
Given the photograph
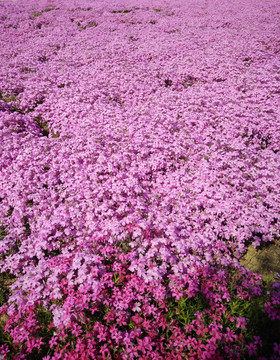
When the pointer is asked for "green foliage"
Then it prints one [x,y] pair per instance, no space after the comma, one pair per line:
[4,337]
[6,279]
[252,308]
[3,232]
[258,322]
[39,13]
[10,211]
[92,24]
[29,203]
[27,70]
[124,245]
[7,98]
[10,99]
[121,11]
[89,25]
[25,222]
[43,316]
[43,125]
[55,135]
[47,9]
[184,309]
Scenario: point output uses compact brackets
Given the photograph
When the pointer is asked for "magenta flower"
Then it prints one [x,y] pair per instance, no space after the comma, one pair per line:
[241,322]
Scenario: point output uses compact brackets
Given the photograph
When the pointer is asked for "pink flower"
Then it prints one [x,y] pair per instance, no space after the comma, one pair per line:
[241,322]
[277,348]
[53,342]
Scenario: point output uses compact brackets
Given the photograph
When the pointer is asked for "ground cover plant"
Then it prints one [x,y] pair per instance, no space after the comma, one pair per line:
[139,159]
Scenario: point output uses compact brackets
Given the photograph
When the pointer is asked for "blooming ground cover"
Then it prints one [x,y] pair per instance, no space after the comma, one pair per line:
[139,158]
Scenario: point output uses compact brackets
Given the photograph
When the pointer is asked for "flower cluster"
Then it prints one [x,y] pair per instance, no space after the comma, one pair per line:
[139,158]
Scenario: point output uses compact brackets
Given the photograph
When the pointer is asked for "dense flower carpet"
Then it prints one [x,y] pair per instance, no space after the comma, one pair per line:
[140,157]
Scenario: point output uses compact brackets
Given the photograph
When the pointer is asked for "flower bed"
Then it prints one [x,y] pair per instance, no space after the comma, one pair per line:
[139,159]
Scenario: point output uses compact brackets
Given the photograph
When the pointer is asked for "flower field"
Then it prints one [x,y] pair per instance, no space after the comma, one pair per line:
[140,157]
